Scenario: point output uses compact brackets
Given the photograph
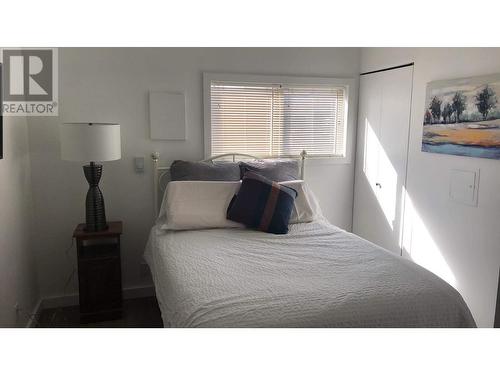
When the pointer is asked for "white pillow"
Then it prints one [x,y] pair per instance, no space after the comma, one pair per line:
[305,207]
[197,205]
[203,204]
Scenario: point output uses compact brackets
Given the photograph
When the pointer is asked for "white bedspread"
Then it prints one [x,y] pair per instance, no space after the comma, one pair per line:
[315,276]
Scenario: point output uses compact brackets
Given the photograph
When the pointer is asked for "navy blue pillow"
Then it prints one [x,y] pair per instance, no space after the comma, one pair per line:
[262,204]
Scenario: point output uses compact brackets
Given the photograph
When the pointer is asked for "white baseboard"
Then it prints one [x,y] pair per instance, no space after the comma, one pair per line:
[72,300]
[36,311]
[59,301]
[139,292]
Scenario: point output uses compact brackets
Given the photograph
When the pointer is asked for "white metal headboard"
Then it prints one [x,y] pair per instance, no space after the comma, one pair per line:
[160,173]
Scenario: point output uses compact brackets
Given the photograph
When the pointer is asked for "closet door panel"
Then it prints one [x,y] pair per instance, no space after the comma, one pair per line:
[382,147]
[367,154]
[393,136]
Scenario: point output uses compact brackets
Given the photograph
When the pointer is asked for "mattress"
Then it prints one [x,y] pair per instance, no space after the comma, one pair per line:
[317,275]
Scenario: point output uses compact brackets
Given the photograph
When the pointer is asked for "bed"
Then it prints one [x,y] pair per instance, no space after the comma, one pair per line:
[317,275]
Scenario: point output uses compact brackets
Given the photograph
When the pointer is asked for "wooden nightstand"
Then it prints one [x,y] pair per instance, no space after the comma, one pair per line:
[99,273]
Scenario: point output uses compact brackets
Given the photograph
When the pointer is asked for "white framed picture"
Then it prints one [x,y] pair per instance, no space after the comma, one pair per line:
[167,115]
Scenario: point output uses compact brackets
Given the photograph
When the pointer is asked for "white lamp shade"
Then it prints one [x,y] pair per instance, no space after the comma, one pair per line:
[84,141]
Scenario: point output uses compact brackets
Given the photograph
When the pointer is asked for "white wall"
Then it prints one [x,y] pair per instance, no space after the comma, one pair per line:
[458,242]
[17,261]
[112,85]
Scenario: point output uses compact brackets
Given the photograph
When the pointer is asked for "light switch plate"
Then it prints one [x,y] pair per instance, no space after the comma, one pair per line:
[139,164]
[464,186]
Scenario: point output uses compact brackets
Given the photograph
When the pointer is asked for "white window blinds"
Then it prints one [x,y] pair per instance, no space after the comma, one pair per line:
[277,120]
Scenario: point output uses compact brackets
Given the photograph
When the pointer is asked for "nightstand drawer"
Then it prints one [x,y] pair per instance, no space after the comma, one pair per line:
[99,250]
[100,285]
[99,273]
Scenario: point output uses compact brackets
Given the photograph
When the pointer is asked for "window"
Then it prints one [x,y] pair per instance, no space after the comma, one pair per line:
[277,119]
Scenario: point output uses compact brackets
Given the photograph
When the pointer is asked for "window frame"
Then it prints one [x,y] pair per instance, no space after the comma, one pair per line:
[349,84]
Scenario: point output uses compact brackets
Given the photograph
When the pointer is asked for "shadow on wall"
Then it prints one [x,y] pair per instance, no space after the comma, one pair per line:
[414,237]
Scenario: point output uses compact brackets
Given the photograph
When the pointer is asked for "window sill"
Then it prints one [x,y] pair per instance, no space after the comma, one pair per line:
[327,160]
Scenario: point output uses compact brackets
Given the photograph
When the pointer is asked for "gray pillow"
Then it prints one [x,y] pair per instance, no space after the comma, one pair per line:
[181,170]
[273,169]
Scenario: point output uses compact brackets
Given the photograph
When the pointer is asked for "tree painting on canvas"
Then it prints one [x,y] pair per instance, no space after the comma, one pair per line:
[462,117]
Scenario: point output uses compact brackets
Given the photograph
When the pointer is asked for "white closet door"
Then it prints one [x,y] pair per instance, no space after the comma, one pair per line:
[383,125]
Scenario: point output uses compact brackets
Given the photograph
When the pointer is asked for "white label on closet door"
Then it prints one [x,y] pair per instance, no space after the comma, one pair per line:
[464,185]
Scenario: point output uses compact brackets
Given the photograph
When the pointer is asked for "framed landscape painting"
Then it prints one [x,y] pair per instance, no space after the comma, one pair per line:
[462,117]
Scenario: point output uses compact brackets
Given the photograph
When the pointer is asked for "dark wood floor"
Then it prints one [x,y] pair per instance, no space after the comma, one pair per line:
[137,313]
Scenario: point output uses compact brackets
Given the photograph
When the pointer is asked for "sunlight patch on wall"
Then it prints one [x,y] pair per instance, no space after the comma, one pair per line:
[419,244]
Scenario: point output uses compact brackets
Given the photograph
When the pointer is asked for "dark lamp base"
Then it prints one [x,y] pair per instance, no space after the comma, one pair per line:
[95,213]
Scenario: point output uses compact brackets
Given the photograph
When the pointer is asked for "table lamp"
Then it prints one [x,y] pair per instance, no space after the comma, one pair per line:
[91,142]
